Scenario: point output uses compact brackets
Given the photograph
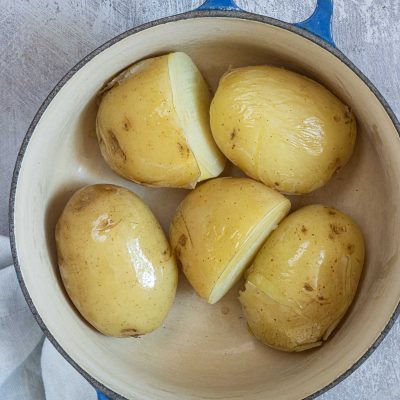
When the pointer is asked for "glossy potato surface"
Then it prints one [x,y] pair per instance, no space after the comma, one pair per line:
[219,227]
[115,262]
[304,278]
[281,128]
[153,124]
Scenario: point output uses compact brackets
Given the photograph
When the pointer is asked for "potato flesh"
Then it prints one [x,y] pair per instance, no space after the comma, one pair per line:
[115,262]
[218,228]
[281,128]
[192,99]
[146,118]
[248,249]
[303,279]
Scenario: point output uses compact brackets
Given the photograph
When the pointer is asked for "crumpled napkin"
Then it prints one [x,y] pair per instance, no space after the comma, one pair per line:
[30,367]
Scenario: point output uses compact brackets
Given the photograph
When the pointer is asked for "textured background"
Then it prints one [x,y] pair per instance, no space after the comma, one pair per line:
[41,40]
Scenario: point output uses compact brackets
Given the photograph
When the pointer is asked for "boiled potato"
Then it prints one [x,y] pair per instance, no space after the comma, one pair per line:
[281,128]
[115,262]
[303,279]
[219,227]
[153,124]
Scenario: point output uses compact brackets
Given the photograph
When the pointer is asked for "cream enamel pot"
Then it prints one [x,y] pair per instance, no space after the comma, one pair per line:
[203,351]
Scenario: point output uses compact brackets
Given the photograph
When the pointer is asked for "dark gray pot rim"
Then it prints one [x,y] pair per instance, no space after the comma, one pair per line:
[79,65]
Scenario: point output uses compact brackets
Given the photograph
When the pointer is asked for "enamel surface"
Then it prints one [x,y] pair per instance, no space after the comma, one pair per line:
[204,351]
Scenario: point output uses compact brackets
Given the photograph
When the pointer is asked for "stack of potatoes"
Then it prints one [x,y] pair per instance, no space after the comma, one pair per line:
[158,125]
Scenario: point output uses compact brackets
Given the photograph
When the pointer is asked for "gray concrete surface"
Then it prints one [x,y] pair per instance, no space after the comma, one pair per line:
[40,40]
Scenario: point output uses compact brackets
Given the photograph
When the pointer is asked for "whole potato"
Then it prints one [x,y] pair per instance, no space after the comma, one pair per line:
[153,124]
[219,227]
[303,279]
[115,262]
[281,128]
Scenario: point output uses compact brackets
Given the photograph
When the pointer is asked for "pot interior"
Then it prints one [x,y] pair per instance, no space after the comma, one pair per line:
[204,351]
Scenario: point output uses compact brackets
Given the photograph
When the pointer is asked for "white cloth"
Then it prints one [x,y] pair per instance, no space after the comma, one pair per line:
[30,367]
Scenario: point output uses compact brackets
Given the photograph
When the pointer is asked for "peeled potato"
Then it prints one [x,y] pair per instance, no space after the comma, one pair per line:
[281,128]
[303,279]
[115,262]
[153,124]
[219,227]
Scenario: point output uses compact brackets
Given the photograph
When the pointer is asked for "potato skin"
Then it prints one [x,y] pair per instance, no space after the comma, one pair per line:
[281,128]
[115,262]
[303,279]
[138,130]
[214,222]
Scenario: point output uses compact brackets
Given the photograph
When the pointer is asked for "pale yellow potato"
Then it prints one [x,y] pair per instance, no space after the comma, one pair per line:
[303,279]
[281,128]
[219,227]
[115,262]
[153,124]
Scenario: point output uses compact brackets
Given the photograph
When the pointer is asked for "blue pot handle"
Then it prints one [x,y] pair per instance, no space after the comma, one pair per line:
[101,396]
[219,5]
[319,23]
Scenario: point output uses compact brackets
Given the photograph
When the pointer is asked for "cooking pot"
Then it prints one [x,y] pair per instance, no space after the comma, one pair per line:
[203,351]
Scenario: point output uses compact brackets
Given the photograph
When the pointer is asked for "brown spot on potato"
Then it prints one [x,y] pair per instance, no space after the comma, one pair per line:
[183,150]
[337,118]
[182,240]
[276,183]
[330,236]
[233,146]
[127,124]
[348,117]
[308,287]
[130,332]
[303,229]
[331,212]
[115,147]
[337,229]
[233,134]
[321,298]
[350,248]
